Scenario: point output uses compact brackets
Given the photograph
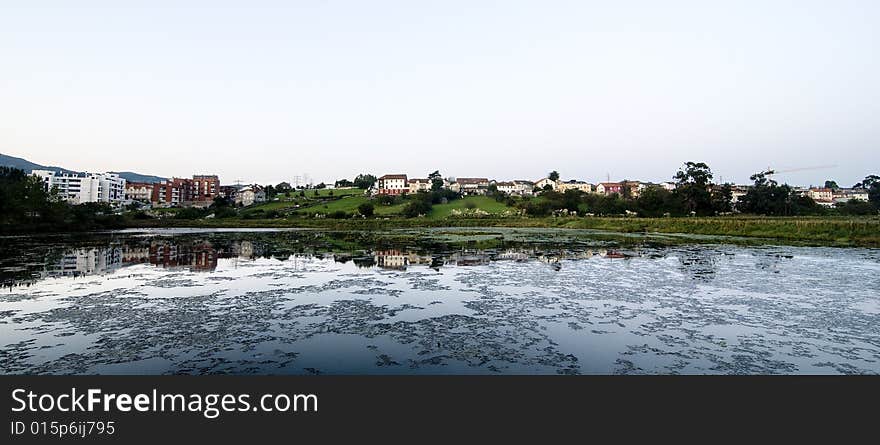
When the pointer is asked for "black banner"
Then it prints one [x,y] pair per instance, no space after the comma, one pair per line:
[411,408]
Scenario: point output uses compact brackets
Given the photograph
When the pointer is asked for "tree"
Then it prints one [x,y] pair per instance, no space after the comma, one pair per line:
[419,205]
[856,207]
[831,185]
[364,181]
[25,202]
[625,190]
[692,185]
[657,201]
[220,202]
[366,209]
[722,198]
[436,181]
[767,197]
[282,187]
[872,184]
[343,183]
[553,176]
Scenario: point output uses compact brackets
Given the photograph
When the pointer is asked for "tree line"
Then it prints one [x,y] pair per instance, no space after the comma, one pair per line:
[696,195]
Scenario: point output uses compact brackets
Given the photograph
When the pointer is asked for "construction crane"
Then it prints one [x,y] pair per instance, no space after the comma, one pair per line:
[770,171]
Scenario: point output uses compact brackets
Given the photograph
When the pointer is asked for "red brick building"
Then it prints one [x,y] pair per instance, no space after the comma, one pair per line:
[198,191]
[205,187]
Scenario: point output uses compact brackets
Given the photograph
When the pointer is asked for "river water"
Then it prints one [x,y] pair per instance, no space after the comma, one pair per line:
[438,301]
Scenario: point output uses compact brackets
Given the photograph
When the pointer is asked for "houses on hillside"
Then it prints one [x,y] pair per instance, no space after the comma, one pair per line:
[844,195]
[470,186]
[582,186]
[828,197]
[517,187]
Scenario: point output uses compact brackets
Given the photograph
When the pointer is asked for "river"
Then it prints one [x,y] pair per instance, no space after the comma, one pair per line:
[433,301]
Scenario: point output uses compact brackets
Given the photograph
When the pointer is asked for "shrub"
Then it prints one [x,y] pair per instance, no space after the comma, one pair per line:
[366,209]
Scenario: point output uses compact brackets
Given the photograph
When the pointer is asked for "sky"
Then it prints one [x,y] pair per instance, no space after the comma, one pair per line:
[262,91]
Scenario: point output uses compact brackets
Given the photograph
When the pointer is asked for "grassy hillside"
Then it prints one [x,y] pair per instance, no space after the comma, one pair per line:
[486,204]
[349,204]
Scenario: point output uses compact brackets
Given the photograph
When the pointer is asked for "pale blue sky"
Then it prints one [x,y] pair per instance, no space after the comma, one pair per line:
[263,90]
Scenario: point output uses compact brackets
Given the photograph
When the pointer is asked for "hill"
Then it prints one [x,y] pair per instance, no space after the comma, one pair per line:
[28,166]
[137,177]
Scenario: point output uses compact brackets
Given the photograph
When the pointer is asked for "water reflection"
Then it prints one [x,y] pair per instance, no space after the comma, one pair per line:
[310,302]
[19,266]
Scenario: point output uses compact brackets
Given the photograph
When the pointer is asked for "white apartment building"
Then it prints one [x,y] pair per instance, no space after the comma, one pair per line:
[78,188]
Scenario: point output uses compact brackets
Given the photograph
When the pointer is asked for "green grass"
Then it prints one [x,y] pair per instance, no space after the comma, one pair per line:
[486,204]
[836,231]
[309,200]
[349,204]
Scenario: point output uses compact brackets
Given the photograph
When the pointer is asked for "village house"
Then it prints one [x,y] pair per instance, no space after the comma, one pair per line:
[250,195]
[585,187]
[544,182]
[419,185]
[609,188]
[822,196]
[228,191]
[139,191]
[392,185]
[635,188]
[737,192]
[844,195]
[504,186]
[523,187]
[470,186]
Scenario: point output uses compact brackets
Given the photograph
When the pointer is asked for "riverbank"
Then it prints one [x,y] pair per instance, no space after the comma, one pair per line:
[860,232]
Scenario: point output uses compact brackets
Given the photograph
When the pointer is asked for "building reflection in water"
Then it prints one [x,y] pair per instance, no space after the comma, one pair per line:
[200,255]
[400,259]
[89,261]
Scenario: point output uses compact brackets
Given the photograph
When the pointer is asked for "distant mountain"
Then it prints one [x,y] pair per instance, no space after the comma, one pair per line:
[28,166]
[137,177]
